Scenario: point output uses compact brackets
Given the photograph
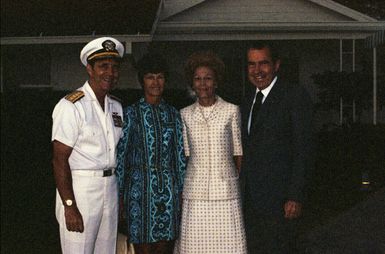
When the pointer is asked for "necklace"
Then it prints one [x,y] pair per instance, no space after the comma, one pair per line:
[207,111]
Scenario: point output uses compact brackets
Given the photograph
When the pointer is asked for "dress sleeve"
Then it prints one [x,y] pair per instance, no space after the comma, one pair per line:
[180,158]
[236,132]
[123,147]
[185,138]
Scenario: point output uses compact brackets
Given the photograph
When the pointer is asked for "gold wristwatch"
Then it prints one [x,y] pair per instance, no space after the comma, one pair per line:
[68,202]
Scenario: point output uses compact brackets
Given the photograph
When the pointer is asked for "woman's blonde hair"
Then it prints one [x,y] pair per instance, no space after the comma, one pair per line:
[205,59]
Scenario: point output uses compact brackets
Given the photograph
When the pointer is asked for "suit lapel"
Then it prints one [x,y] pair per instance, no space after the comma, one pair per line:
[266,109]
[198,116]
[245,111]
[217,107]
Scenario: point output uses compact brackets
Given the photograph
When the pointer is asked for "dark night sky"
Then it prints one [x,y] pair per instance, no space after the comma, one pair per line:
[372,8]
[82,17]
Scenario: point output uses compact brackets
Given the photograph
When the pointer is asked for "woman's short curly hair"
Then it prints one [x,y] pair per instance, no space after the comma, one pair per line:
[152,62]
[205,59]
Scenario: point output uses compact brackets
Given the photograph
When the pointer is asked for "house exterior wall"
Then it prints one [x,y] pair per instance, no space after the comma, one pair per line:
[317,58]
[68,73]
[55,67]
[252,11]
[303,57]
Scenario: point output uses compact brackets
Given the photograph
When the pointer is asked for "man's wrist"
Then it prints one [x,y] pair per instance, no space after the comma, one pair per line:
[69,203]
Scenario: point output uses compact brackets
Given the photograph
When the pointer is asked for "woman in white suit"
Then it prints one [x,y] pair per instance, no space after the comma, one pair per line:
[211,214]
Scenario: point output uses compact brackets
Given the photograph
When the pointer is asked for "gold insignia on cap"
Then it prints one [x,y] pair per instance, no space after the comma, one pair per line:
[109,50]
[109,45]
[75,96]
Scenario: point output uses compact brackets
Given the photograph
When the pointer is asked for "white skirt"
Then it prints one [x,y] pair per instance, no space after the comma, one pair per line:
[211,226]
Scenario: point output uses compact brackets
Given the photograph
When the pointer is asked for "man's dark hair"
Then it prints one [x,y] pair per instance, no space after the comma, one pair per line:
[151,63]
[274,53]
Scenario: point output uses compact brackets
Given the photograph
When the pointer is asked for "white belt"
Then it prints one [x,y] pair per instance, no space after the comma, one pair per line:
[96,172]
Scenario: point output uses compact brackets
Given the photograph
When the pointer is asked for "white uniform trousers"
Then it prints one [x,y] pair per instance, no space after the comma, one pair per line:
[97,200]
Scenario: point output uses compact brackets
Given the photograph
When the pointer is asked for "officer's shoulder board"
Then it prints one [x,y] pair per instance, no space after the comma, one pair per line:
[115,98]
[75,96]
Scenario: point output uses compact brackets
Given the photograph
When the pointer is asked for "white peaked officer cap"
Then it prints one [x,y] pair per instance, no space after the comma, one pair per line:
[104,47]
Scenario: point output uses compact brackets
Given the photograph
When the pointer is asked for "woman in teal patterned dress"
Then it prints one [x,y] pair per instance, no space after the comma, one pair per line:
[151,163]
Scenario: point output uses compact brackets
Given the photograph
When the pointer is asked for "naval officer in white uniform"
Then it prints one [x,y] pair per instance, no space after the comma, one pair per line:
[86,128]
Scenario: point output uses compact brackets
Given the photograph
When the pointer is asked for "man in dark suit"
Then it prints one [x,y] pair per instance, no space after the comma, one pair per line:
[277,152]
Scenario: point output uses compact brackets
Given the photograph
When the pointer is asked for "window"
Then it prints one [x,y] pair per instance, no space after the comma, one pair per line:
[26,66]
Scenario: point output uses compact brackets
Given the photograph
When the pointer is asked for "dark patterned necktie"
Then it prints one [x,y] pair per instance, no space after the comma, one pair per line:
[257,105]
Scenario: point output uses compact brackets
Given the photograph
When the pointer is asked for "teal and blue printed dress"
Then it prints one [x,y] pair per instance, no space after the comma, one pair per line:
[150,168]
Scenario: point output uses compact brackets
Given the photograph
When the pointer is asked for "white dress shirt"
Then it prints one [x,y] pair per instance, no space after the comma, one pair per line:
[265,93]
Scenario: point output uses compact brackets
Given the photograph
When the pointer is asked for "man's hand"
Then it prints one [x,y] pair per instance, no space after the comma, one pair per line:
[63,179]
[74,220]
[292,209]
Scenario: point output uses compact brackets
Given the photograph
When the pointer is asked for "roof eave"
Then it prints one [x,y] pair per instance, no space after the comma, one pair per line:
[273,26]
[169,31]
[124,38]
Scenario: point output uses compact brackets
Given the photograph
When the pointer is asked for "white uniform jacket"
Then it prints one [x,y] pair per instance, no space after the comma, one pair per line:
[91,132]
[210,143]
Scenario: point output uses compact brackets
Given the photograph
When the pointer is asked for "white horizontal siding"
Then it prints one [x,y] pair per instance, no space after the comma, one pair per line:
[256,11]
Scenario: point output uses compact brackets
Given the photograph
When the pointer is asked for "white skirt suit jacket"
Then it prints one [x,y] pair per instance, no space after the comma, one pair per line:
[210,143]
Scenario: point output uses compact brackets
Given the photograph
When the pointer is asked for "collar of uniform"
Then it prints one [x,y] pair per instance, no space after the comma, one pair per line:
[90,95]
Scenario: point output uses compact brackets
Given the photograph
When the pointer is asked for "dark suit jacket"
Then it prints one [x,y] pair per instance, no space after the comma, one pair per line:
[277,155]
